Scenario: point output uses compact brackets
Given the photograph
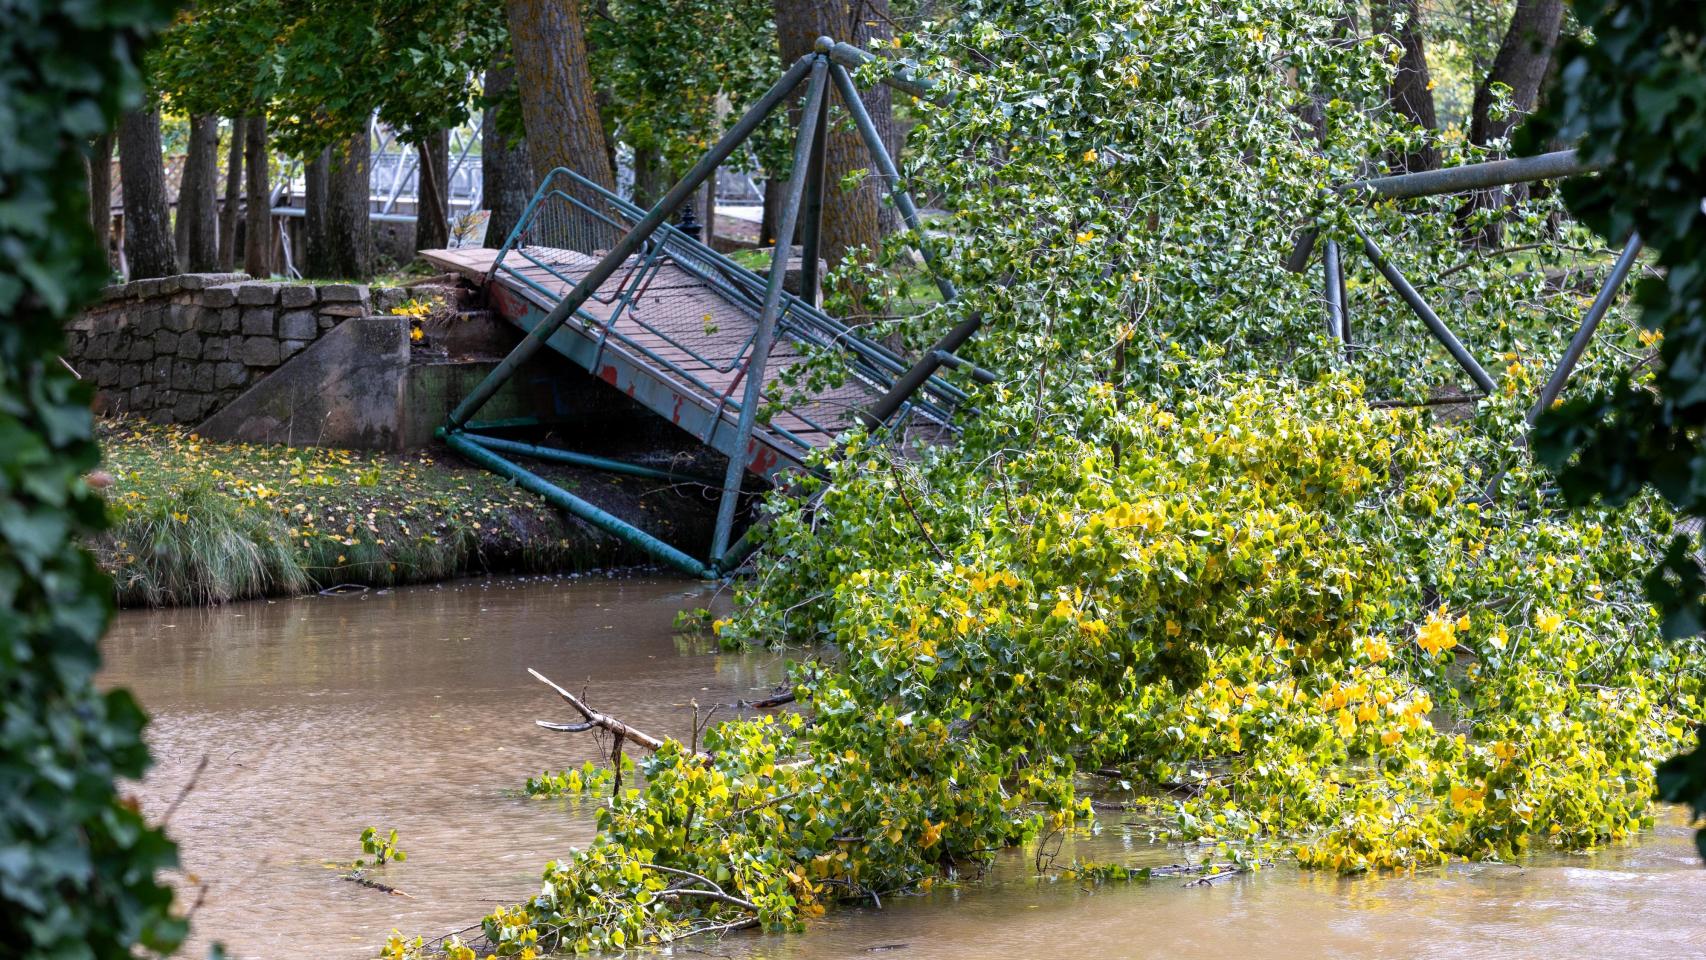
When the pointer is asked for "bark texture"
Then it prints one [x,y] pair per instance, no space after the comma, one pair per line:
[559,108]
[651,180]
[148,247]
[432,216]
[257,218]
[850,218]
[774,190]
[506,179]
[1523,59]
[1412,87]
[198,197]
[233,204]
[313,255]
[349,231]
[101,193]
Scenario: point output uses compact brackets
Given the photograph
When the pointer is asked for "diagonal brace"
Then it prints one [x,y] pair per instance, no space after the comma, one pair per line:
[624,248]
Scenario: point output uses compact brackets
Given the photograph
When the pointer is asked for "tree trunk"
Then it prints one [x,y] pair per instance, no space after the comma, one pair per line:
[559,109]
[348,225]
[1412,89]
[773,191]
[101,194]
[850,218]
[316,246]
[233,196]
[506,180]
[147,219]
[257,220]
[1521,65]
[181,224]
[197,200]
[651,180]
[432,180]
[1523,59]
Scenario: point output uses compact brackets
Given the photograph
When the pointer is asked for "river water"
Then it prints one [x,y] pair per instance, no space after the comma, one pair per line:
[412,709]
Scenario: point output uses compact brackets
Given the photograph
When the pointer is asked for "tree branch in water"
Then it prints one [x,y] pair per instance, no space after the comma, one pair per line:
[593,719]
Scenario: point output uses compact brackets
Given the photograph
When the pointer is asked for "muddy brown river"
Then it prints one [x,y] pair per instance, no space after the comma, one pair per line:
[412,710]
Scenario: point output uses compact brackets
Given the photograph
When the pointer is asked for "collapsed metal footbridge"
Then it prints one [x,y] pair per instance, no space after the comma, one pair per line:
[761,375]
[766,377]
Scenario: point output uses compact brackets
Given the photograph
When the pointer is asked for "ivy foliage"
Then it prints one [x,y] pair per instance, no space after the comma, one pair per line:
[77,863]
[1634,93]
[1276,617]
[1635,96]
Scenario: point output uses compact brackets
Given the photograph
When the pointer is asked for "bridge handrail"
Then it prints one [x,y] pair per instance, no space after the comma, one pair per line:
[737,285]
[833,332]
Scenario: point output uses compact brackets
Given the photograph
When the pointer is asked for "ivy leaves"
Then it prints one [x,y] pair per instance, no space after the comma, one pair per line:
[1635,96]
[78,864]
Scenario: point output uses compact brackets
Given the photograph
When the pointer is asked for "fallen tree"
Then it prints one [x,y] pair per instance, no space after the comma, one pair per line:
[1178,543]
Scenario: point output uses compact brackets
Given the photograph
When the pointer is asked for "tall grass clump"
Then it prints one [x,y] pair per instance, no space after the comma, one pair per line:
[199,521]
[192,544]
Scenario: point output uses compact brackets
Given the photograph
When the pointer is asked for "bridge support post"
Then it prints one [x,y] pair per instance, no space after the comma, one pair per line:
[811,227]
[1334,290]
[810,117]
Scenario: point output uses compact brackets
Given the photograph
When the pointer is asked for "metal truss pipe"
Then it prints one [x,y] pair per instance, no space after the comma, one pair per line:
[1470,176]
[1420,307]
[891,174]
[914,379]
[758,359]
[558,497]
[1474,176]
[899,76]
[587,460]
[1334,290]
[1590,323]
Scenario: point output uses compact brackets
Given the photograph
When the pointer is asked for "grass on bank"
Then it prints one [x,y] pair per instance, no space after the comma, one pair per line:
[198,522]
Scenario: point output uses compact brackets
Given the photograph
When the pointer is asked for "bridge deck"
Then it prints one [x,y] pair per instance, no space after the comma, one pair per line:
[677,342]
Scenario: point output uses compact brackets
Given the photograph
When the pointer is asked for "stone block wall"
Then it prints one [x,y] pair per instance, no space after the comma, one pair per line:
[178,348]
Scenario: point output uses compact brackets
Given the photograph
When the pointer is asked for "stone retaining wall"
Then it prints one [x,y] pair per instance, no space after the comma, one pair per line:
[178,348]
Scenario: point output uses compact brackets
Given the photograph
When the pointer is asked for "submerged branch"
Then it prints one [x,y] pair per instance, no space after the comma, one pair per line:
[594,719]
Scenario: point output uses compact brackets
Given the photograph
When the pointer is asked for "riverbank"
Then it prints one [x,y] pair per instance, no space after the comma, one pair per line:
[201,522]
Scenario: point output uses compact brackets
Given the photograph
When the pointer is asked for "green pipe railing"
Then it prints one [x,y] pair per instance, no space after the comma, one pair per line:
[558,497]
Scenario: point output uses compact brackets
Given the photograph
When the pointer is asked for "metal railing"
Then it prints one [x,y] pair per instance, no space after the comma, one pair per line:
[1453,180]
[670,330]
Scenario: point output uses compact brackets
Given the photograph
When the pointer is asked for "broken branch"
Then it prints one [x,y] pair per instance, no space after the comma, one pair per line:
[621,731]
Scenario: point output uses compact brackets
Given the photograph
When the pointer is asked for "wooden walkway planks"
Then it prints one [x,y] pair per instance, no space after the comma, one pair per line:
[679,326]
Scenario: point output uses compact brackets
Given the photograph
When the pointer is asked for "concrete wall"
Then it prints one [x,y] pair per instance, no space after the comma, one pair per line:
[177,348]
[327,365]
[346,389]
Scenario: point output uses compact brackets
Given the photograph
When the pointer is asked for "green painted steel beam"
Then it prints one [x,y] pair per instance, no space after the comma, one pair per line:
[574,459]
[558,497]
[758,359]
